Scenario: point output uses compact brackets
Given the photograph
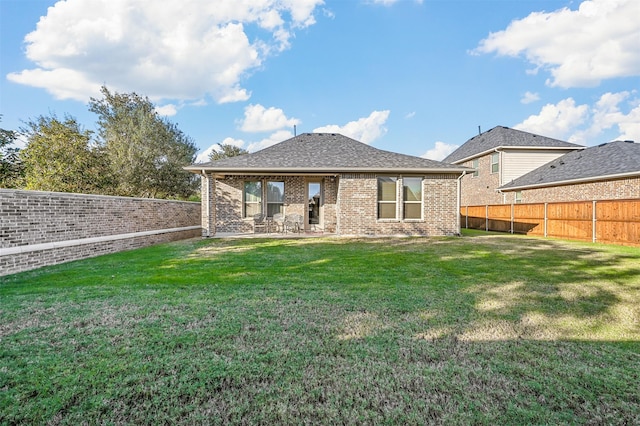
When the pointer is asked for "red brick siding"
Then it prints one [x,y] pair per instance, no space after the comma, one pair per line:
[618,189]
[358,210]
[481,189]
[229,192]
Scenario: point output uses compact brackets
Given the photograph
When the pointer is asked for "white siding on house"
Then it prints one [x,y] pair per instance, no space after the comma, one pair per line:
[516,163]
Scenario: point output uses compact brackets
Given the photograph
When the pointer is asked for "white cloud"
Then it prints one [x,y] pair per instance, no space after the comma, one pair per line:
[617,114]
[439,151]
[580,48]
[557,120]
[391,2]
[203,156]
[184,50]
[167,110]
[530,97]
[410,115]
[260,119]
[279,136]
[366,129]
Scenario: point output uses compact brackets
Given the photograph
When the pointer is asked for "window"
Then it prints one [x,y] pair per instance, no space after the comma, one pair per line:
[412,197]
[252,198]
[275,198]
[518,196]
[387,198]
[475,166]
[495,162]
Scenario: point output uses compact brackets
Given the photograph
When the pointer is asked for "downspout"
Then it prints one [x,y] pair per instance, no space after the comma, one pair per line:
[459,201]
[500,167]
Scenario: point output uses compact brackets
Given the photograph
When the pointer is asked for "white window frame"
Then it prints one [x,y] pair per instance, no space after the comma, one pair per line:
[264,196]
[268,203]
[244,198]
[387,202]
[405,201]
[475,164]
[495,161]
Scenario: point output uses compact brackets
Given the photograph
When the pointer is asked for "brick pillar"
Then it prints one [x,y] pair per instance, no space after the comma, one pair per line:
[208,195]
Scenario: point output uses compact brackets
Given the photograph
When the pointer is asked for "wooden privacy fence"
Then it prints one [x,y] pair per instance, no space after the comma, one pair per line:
[606,221]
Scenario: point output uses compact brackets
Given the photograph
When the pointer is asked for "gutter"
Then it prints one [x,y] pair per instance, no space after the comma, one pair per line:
[316,171]
[570,181]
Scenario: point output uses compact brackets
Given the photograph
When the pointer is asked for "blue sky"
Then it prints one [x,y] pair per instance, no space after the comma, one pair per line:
[416,77]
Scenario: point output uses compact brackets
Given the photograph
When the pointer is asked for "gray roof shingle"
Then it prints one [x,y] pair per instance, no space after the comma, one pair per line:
[327,152]
[594,163]
[501,136]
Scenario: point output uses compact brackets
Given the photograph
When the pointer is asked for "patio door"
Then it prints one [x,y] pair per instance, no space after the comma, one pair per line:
[314,203]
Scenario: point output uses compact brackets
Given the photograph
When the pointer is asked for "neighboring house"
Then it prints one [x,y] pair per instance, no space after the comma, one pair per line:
[604,172]
[339,186]
[499,156]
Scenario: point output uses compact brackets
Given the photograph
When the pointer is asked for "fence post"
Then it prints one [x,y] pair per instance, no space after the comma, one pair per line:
[486,217]
[512,216]
[595,226]
[545,219]
[466,219]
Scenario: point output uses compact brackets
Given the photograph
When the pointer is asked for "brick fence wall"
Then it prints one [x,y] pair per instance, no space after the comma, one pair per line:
[46,228]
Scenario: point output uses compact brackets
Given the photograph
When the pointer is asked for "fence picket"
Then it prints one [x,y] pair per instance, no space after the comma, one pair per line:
[608,221]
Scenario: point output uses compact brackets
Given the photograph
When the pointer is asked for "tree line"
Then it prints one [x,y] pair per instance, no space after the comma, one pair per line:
[134,153]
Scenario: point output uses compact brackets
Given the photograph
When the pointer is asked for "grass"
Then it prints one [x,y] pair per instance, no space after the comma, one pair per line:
[484,329]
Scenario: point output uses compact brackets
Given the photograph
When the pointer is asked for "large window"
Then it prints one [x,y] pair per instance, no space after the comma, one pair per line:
[495,162]
[275,198]
[387,198]
[252,198]
[412,197]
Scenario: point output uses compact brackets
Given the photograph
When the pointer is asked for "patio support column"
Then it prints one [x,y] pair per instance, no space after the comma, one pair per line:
[208,204]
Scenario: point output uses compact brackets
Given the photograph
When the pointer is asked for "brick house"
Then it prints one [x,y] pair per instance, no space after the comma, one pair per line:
[339,186]
[605,172]
[499,156]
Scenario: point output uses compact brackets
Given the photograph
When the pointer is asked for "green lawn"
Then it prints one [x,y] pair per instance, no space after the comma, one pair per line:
[484,329]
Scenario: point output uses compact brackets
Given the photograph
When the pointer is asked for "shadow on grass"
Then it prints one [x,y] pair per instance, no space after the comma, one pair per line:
[503,330]
[474,288]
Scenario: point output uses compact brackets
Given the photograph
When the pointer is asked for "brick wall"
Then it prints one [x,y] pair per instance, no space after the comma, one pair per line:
[481,189]
[619,189]
[229,201]
[45,228]
[358,210]
[350,205]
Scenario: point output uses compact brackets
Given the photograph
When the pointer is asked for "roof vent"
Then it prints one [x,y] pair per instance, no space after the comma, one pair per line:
[629,141]
[552,166]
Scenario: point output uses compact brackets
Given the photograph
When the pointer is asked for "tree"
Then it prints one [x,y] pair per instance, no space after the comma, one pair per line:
[59,156]
[11,168]
[225,151]
[146,153]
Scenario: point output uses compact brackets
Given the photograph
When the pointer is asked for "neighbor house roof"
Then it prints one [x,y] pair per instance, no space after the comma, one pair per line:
[607,161]
[504,137]
[323,153]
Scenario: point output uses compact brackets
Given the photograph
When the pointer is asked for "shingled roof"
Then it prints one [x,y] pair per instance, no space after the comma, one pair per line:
[503,137]
[607,161]
[323,153]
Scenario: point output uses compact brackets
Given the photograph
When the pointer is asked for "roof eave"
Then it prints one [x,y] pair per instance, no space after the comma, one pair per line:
[319,170]
[502,148]
[570,181]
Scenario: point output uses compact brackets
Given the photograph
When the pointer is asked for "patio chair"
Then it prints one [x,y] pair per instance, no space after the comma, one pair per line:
[259,223]
[293,222]
[278,221]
